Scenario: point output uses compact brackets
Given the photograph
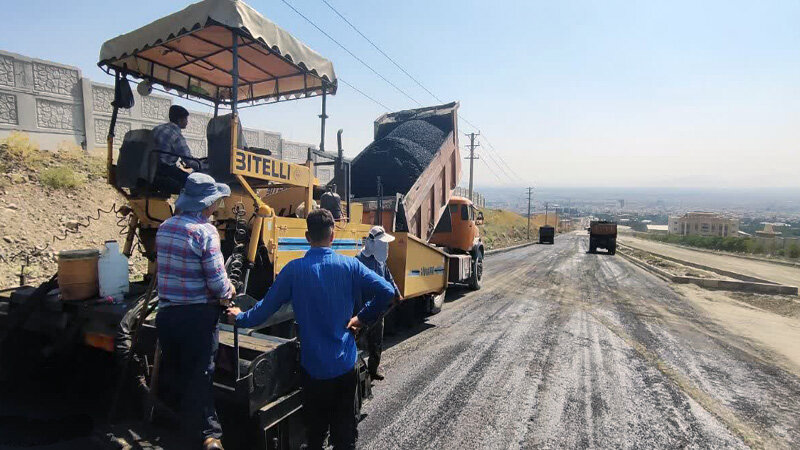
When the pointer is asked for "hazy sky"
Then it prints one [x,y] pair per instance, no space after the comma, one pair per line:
[570,93]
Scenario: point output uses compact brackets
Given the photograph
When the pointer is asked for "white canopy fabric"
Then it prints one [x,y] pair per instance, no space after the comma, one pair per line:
[191,50]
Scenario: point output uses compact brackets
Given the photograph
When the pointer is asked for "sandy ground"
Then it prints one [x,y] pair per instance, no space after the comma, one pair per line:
[768,271]
[567,349]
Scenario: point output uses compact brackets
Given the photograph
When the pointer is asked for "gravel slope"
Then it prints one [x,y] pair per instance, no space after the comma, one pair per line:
[567,349]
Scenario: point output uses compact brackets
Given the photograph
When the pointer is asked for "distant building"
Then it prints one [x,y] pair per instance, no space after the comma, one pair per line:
[657,229]
[703,224]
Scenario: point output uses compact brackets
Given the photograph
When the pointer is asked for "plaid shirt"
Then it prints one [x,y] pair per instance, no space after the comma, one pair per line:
[190,264]
[169,138]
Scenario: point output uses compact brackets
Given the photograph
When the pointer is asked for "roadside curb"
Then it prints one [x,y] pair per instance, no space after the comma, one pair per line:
[724,253]
[508,249]
[726,285]
[716,270]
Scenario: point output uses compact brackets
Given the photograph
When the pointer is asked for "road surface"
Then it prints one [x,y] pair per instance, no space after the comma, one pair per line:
[566,349]
[777,273]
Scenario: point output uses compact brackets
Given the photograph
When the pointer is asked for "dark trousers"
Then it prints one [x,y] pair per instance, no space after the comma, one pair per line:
[189,337]
[169,178]
[331,404]
[374,346]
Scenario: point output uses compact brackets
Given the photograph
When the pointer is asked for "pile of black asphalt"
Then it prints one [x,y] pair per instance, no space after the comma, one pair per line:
[398,159]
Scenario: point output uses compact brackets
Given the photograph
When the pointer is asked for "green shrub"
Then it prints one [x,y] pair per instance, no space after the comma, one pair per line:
[61,178]
[793,251]
[18,151]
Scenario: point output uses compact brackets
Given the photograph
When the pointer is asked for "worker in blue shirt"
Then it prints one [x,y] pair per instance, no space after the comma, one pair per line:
[323,287]
[374,256]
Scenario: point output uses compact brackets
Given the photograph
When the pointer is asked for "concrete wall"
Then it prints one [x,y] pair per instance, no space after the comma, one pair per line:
[42,98]
[54,103]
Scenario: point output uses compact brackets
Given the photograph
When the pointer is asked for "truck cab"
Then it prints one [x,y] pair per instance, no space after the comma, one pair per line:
[457,230]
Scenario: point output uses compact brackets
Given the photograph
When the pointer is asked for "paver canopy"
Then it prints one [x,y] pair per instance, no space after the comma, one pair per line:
[192,51]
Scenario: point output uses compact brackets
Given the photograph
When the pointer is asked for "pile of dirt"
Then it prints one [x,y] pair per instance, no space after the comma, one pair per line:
[399,159]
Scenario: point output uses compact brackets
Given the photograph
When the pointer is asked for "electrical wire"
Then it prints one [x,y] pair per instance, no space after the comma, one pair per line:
[374,45]
[364,94]
[350,53]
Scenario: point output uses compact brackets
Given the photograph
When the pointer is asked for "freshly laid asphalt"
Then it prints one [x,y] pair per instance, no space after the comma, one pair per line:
[561,348]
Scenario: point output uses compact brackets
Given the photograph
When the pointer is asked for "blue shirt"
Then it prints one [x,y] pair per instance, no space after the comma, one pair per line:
[323,288]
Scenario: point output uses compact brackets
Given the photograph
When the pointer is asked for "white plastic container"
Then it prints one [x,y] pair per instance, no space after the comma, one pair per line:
[112,271]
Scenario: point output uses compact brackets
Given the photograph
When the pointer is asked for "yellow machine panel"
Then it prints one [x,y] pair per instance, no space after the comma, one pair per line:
[253,165]
[286,239]
[150,211]
[417,267]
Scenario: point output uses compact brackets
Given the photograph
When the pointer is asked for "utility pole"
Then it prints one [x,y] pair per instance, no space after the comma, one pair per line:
[471,159]
[530,192]
[546,205]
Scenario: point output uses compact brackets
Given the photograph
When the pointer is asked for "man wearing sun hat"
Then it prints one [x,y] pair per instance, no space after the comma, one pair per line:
[191,282]
[374,256]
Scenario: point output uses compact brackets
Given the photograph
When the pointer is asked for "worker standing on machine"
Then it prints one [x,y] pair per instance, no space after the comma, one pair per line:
[169,140]
[322,287]
[374,256]
[191,284]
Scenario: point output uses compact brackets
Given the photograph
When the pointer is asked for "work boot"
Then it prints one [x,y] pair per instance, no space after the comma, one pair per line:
[377,376]
[212,444]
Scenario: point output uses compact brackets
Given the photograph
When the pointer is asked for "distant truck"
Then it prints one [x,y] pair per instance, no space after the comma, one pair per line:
[603,234]
[547,234]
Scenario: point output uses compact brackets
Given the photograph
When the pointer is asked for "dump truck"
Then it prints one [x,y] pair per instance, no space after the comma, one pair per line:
[222,54]
[437,241]
[603,234]
[547,234]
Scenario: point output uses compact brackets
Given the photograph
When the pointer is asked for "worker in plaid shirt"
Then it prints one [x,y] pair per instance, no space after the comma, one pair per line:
[191,283]
[170,142]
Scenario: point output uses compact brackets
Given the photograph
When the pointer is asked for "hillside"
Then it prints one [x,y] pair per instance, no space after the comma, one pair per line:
[503,228]
[45,198]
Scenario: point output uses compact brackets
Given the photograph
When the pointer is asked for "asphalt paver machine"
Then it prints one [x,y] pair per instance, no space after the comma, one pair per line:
[227,55]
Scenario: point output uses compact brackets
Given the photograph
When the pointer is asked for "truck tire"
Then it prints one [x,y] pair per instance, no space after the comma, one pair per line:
[592,246]
[477,271]
[612,246]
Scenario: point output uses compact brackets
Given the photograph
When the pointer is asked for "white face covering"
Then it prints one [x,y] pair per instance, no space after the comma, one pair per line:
[377,249]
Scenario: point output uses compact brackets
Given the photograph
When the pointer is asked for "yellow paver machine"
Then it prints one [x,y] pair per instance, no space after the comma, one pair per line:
[227,55]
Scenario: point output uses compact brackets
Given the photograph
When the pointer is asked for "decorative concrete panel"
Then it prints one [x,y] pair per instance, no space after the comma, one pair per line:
[101,101]
[197,124]
[296,153]
[156,108]
[101,131]
[251,137]
[58,115]
[272,142]
[199,147]
[54,79]
[324,174]
[8,109]
[6,71]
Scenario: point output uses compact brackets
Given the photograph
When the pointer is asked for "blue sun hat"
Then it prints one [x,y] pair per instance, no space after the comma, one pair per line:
[200,192]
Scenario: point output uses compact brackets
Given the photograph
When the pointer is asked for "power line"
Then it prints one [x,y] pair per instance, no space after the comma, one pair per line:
[364,94]
[415,80]
[350,53]
[375,46]
[490,170]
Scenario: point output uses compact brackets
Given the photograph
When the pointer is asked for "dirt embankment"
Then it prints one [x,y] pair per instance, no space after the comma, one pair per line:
[504,228]
[45,200]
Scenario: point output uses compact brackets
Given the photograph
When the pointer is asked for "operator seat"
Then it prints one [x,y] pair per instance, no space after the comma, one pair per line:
[218,134]
[133,170]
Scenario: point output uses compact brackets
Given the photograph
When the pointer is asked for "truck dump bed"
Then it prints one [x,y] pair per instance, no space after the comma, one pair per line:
[602,228]
[418,208]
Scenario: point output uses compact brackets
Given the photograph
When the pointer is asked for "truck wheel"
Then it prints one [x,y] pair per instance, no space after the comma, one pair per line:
[477,271]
